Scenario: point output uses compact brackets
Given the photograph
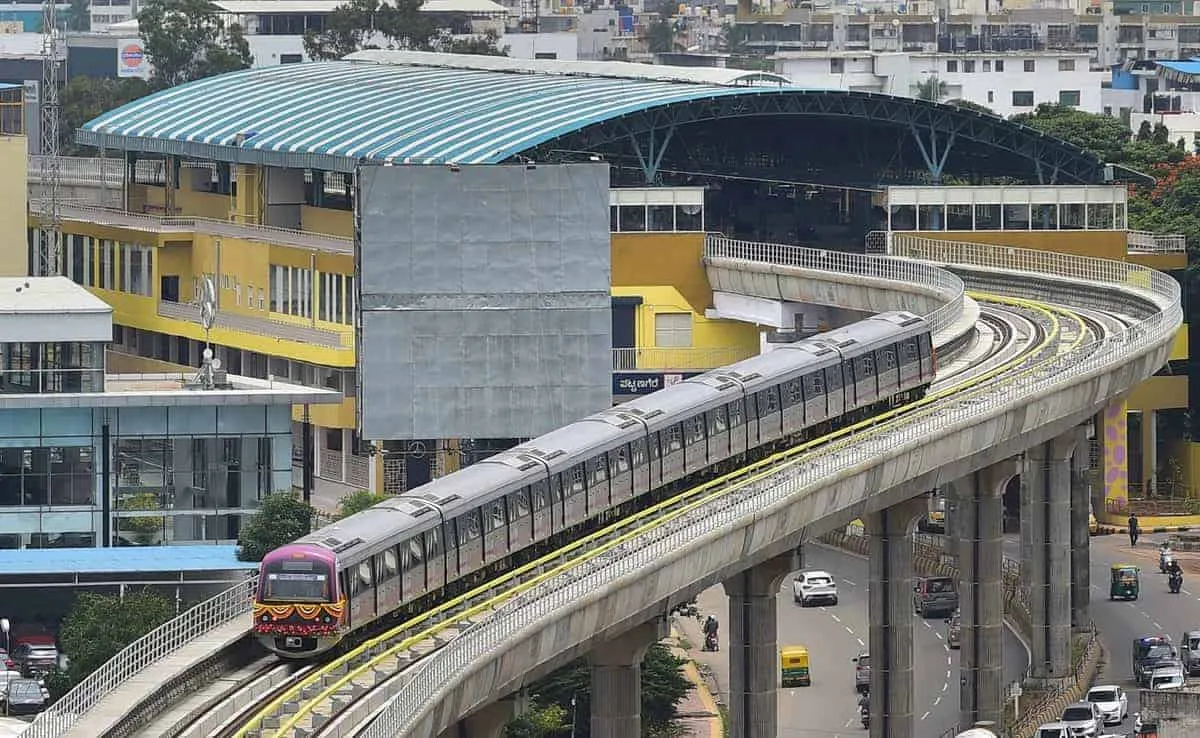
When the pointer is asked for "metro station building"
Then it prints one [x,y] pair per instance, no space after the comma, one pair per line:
[247,179]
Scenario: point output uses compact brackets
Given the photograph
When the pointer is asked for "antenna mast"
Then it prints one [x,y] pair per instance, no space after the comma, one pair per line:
[51,221]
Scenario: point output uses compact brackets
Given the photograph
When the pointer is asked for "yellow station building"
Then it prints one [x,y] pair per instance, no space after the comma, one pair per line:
[176,201]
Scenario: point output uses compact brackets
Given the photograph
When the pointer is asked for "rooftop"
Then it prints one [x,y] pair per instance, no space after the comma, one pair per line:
[121,560]
[177,390]
[57,295]
[281,7]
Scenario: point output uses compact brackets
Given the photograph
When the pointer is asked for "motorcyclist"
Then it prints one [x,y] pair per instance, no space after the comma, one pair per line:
[1164,556]
[710,630]
[864,702]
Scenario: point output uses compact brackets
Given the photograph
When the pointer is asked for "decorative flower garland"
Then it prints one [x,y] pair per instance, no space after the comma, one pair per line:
[334,610]
[297,629]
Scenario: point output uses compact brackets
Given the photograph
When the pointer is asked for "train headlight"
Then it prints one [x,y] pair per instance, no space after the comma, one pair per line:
[266,618]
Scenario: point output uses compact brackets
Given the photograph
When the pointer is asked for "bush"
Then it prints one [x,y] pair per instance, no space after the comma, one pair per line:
[281,520]
[356,502]
[99,626]
[142,527]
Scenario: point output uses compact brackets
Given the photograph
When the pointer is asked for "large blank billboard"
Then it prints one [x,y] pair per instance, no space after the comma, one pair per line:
[483,298]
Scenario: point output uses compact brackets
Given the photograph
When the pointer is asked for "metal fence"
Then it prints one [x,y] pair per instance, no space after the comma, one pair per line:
[435,676]
[1143,242]
[903,271]
[164,640]
[689,359]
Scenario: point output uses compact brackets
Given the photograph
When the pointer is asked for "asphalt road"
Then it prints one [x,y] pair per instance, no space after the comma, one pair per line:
[1155,611]
[834,636]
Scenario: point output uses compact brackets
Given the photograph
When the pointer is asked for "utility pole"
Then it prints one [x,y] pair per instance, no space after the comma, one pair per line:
[51,221]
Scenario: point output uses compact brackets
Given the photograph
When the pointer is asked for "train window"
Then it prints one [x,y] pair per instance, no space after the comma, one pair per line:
[577,482]
[720,421]
[364,573]
[556,488]
[908,350]
[833,378]
[495,516]
[540,497]
[752,407]
[674,438]
[597,469]
[864,367]
[889,358]
[468,527]
[768,402]
[391,565]
[518,504]
[656,445]
[694,428]
[794,392]
[433,542]
[638,451]
[735,413]
[622,457]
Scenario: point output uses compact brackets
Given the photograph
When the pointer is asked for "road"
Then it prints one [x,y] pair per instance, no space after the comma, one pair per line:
[1155,611]
[834,636]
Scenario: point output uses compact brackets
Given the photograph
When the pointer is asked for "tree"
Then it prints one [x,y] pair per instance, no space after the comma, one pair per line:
[99,626]
[663,687]
[143,528]
[486,45]
[1102,135]
[281,520]
[660,37]
[84,98]
[187,40]
[356,502]
[79,15]
[931,88]
[394,24]
[968,105]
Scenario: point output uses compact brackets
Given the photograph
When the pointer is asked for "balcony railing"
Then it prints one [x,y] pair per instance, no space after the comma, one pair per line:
[1142,242]
[259,326]
[686,359]
[94,170]
[193,224]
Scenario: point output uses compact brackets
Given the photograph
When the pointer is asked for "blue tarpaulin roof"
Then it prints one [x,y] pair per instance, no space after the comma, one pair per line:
[123,560]
[1186,68]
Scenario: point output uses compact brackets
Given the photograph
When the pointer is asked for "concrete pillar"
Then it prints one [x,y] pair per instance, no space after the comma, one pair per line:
[617,680]
[754,648]
[1026,526]
[488,721]
[980,544]
[1048,469]
[1081,540]
[891,618]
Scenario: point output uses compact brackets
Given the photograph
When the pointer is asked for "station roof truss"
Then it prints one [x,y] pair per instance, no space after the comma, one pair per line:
[385,107]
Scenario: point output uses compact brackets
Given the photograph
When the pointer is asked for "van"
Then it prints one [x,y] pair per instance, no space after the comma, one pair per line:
[1189,652]
[933,596]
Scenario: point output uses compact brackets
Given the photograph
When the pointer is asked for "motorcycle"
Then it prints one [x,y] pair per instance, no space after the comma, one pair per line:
[865,715]
[710,642]
[1175,582]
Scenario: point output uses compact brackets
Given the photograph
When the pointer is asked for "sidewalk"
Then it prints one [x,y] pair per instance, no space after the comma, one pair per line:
[709,672]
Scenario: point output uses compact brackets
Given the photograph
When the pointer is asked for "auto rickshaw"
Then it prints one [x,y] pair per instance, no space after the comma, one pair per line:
[1124,582]
[793,666]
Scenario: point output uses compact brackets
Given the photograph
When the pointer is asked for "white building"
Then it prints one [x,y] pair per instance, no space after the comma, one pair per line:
[1005,82]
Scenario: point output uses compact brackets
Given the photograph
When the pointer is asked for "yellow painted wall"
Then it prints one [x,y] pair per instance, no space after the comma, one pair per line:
[1097,244]
[14,206]
[329,221]
[1161,262]
[670,259]
[706,333]
[1179,350]
[341,415]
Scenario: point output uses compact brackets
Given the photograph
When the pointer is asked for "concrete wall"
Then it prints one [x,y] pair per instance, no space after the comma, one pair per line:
[14,161]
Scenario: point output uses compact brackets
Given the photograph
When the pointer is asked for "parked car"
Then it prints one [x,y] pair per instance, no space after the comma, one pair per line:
[24,697]
[862,672]
[1189,652]
[35,658]
[1053,730]
[1166,677]
[954,630]
[1083,719]
[1111,701]
[814,586]
[934,596]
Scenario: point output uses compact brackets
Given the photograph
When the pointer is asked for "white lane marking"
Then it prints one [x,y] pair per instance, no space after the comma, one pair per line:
[1157,626]
[939,635]
[849,723]
[836,619]
[945,685]
[860,642]
[927,625]
[937,700]
[947,651]
[849,630]
[947,673]
[847,581]
[926,715]
[1189,594]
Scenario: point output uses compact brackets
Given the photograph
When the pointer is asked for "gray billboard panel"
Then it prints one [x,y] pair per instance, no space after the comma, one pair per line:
[484,299]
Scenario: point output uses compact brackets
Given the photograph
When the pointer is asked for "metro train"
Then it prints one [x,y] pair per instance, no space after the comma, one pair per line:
[437,540]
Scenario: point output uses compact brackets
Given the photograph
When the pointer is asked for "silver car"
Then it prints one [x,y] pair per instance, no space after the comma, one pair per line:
[1082,719]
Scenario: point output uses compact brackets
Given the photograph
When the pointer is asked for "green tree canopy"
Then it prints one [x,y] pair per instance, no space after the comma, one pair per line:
[84,98]
[931,88]
[660,37]
[394,24]
[356,502]
[663,687]
[968,105]
[1102,135]
[99,626]
[187,40]
[281,520]
[79,15]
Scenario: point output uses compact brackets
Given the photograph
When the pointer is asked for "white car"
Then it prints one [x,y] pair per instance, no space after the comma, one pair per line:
[1112,702]
[1053,730]
[814,586]
[1167,677]
[1083,719]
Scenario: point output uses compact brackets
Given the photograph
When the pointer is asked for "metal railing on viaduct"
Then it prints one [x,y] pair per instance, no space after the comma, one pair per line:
[767,514]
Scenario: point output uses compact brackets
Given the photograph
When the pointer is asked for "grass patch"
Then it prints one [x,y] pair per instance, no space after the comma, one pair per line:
[724,720]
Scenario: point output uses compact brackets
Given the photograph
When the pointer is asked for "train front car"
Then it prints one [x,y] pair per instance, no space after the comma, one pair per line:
[298,608]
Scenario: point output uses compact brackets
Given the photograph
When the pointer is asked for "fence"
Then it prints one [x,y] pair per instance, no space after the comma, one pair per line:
[693,359]
[436,676]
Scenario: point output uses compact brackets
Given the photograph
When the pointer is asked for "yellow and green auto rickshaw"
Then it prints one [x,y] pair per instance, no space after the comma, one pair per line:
[1124,582]
[793,665]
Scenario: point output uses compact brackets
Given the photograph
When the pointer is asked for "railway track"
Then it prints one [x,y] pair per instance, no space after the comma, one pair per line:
[317,700]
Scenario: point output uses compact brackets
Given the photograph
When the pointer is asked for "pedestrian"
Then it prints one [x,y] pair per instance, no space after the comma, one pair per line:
[1134,531]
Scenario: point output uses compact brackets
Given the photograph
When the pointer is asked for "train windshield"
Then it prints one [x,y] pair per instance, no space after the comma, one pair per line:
[297,581]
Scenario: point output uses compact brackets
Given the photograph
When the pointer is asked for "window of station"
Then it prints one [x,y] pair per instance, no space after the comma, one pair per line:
[47,476]
[51,368]
[659,210]
[336,298]
[291,291]
[673,330]
[1022,208]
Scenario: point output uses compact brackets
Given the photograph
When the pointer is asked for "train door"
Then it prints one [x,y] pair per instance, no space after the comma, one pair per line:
[520,520]
[450,542]
[835,397]
[620,476]
[387,580]
[435,562]
[470,541]
[719,434]
[362,584]
[575,494]
[889,371]
[738,427]
[543,511]
[599,494]
[641,474]
[495,530]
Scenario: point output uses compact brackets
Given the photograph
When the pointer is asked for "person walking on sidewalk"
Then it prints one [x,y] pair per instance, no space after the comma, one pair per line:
[1134,531]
